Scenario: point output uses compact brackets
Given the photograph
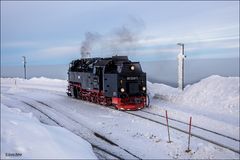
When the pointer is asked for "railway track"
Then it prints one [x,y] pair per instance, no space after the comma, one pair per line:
[229,140]
[193,126]
[95,133]
[226,146]
[97,147]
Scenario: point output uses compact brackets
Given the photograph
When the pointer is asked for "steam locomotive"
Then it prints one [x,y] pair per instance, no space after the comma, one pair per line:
[114,81]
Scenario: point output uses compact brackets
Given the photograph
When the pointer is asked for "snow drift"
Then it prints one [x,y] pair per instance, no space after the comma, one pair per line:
[24,137]
[37,83]
[215,93]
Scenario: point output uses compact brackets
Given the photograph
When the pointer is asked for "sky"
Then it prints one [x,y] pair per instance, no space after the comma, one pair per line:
[54,32]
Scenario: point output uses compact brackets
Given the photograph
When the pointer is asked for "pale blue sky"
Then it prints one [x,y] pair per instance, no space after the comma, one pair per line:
[52,32]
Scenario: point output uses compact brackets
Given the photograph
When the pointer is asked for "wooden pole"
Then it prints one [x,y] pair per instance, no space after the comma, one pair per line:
[190,125]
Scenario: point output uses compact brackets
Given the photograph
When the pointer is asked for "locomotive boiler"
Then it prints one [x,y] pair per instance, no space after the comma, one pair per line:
[114,81]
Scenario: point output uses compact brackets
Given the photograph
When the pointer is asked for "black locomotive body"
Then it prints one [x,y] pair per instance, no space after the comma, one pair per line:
[108,81]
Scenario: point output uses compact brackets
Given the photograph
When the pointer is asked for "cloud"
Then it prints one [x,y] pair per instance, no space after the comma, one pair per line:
[19,44]
[124,40]
[217,34]
[185,39]
[53,54]
[59,51]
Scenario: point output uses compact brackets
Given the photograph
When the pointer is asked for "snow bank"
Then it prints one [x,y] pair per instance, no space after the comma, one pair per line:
[162,91]
[44,80]
[34,80]
[216,93]
[23,136]
[213,91]
[37,83]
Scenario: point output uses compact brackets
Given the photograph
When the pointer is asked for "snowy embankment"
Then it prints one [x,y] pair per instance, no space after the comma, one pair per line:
[23,136]
[41,83]
[215,94]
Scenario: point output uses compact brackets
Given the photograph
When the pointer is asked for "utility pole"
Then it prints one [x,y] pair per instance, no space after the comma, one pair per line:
[24,65]
[181,58]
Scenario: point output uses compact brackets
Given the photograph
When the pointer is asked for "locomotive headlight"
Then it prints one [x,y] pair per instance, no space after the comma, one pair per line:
[144,88]
[122,89]
[132,68]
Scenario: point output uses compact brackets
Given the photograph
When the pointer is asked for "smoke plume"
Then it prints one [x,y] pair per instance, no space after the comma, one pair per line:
[118,41]
[87,44]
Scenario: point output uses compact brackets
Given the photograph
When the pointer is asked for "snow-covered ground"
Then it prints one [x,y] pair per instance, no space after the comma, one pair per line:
[215,94]
[213,103]
[23,136]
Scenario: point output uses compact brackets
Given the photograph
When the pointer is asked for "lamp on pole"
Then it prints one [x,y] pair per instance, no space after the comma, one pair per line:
[24,65]
[181,58]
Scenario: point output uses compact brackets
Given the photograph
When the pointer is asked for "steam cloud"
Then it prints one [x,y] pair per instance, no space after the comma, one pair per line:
[118,41]
[87,44]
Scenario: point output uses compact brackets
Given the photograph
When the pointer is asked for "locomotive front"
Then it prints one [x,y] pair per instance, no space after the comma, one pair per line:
[131,87]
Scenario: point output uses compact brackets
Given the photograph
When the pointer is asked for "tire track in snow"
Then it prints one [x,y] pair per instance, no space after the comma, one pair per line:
[186,132]
[94,146]
[96,135]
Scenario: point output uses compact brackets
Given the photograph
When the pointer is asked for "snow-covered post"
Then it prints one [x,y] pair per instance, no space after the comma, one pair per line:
[24,65]
[169,141]
[190,125]
[181,58]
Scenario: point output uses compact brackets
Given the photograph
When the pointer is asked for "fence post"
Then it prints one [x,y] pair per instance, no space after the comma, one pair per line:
[169,141]
[190,125]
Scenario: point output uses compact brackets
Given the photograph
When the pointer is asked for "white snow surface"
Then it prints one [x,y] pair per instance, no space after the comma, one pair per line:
[222,92]
[23,133]
[40,83]
[215,94]
[213,103]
